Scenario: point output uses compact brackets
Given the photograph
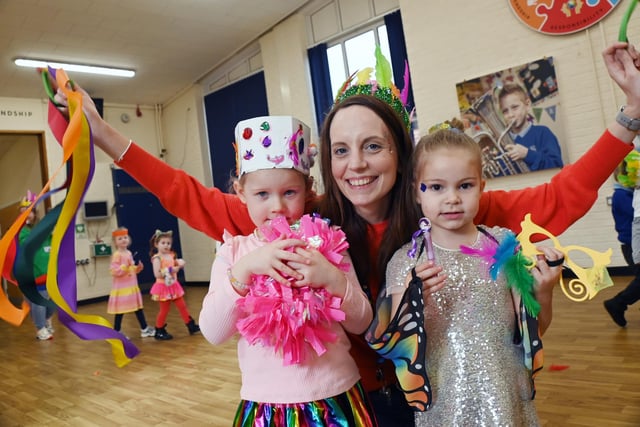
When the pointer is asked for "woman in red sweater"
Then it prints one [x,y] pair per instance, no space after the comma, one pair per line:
[365,148]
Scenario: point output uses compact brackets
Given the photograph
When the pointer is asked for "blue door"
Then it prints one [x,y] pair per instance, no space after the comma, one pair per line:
[224,108]
[141,212]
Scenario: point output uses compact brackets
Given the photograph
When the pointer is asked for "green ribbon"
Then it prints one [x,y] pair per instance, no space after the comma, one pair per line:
[622,34]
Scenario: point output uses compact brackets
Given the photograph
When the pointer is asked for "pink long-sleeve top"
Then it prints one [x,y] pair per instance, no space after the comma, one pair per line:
[264,377]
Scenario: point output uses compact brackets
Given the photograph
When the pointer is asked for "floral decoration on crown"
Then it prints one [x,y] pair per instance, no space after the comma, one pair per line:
[382,88]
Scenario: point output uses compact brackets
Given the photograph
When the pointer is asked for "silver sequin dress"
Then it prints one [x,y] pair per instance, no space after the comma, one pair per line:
[477,374]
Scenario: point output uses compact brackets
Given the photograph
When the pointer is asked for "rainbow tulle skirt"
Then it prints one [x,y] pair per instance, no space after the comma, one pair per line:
[349,409]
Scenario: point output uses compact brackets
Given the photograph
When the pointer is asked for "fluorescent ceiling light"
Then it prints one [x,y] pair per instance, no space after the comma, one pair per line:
[91,69]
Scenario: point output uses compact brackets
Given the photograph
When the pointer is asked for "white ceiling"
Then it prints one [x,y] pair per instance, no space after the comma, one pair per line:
[170,43]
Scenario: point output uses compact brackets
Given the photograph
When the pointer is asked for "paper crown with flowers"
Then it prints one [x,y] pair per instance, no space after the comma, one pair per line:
[270,142]
[26,201]
[382,88]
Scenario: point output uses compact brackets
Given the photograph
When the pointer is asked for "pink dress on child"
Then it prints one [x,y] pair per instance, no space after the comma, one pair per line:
[125,296]
[167,289]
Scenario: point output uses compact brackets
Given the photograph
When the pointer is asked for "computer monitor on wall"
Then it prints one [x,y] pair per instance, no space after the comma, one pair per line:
[92,211]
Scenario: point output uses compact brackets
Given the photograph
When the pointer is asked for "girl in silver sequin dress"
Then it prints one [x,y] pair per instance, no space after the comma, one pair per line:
[477,374]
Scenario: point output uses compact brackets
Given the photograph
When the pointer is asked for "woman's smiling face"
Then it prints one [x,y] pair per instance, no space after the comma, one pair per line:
[364,161]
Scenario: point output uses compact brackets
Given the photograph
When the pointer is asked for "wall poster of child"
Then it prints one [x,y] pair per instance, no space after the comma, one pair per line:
[513,115]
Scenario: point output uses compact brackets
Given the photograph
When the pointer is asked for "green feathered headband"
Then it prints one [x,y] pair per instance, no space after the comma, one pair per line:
[382,87]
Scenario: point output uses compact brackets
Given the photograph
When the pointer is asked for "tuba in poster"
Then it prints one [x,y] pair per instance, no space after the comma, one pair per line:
[494,140]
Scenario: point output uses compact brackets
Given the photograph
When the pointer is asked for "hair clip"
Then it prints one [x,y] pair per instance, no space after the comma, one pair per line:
[159,233]
[444,126]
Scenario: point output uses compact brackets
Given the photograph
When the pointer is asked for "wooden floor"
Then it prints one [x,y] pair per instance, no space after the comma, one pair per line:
[188,382]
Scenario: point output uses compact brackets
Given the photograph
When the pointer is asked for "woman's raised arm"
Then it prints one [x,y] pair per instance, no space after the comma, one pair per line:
[571,193]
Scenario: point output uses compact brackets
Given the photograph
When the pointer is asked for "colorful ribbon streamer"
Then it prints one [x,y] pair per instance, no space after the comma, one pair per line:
[78,158]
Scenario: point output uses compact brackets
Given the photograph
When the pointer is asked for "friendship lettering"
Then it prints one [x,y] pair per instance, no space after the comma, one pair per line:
[15,113]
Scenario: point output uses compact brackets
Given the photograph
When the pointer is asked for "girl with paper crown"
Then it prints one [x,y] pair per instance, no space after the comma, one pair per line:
[289,289]
[360,194]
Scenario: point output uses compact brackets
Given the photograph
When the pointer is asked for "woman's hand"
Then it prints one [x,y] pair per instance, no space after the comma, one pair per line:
[88,106]
[622,62]
[107,138]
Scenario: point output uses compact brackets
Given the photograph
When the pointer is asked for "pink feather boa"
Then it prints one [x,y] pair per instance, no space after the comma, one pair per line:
[294,320]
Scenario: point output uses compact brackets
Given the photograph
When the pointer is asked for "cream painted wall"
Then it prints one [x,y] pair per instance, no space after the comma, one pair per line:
[18,114]
[449,41]
[439,58]
[19,149]
[286,74]
[184,137]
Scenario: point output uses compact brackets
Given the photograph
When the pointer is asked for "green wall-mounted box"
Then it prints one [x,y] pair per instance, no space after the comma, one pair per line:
[101,249]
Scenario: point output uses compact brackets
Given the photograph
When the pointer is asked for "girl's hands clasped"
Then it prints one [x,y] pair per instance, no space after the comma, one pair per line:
[318,272]
[271,260]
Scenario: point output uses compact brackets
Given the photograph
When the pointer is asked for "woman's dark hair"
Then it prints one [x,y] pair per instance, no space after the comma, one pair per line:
[335,206]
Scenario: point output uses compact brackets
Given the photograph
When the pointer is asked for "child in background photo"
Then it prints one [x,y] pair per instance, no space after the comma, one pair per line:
[166,289]
[125,296]
[287,382]
[472,319]
[536,145]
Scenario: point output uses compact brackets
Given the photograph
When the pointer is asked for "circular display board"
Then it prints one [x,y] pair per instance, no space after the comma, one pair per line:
[559,17]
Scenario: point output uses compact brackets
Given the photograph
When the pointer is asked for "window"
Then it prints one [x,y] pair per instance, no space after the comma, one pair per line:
[332,62]
[356,53]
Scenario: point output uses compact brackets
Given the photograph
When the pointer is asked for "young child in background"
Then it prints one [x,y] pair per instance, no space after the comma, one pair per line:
[166,288]
[125,296]
[40,314]
[625,208]
[477,373]
[282,386]
[536,145]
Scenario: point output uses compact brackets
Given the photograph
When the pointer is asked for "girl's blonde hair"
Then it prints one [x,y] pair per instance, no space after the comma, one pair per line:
[448,135]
